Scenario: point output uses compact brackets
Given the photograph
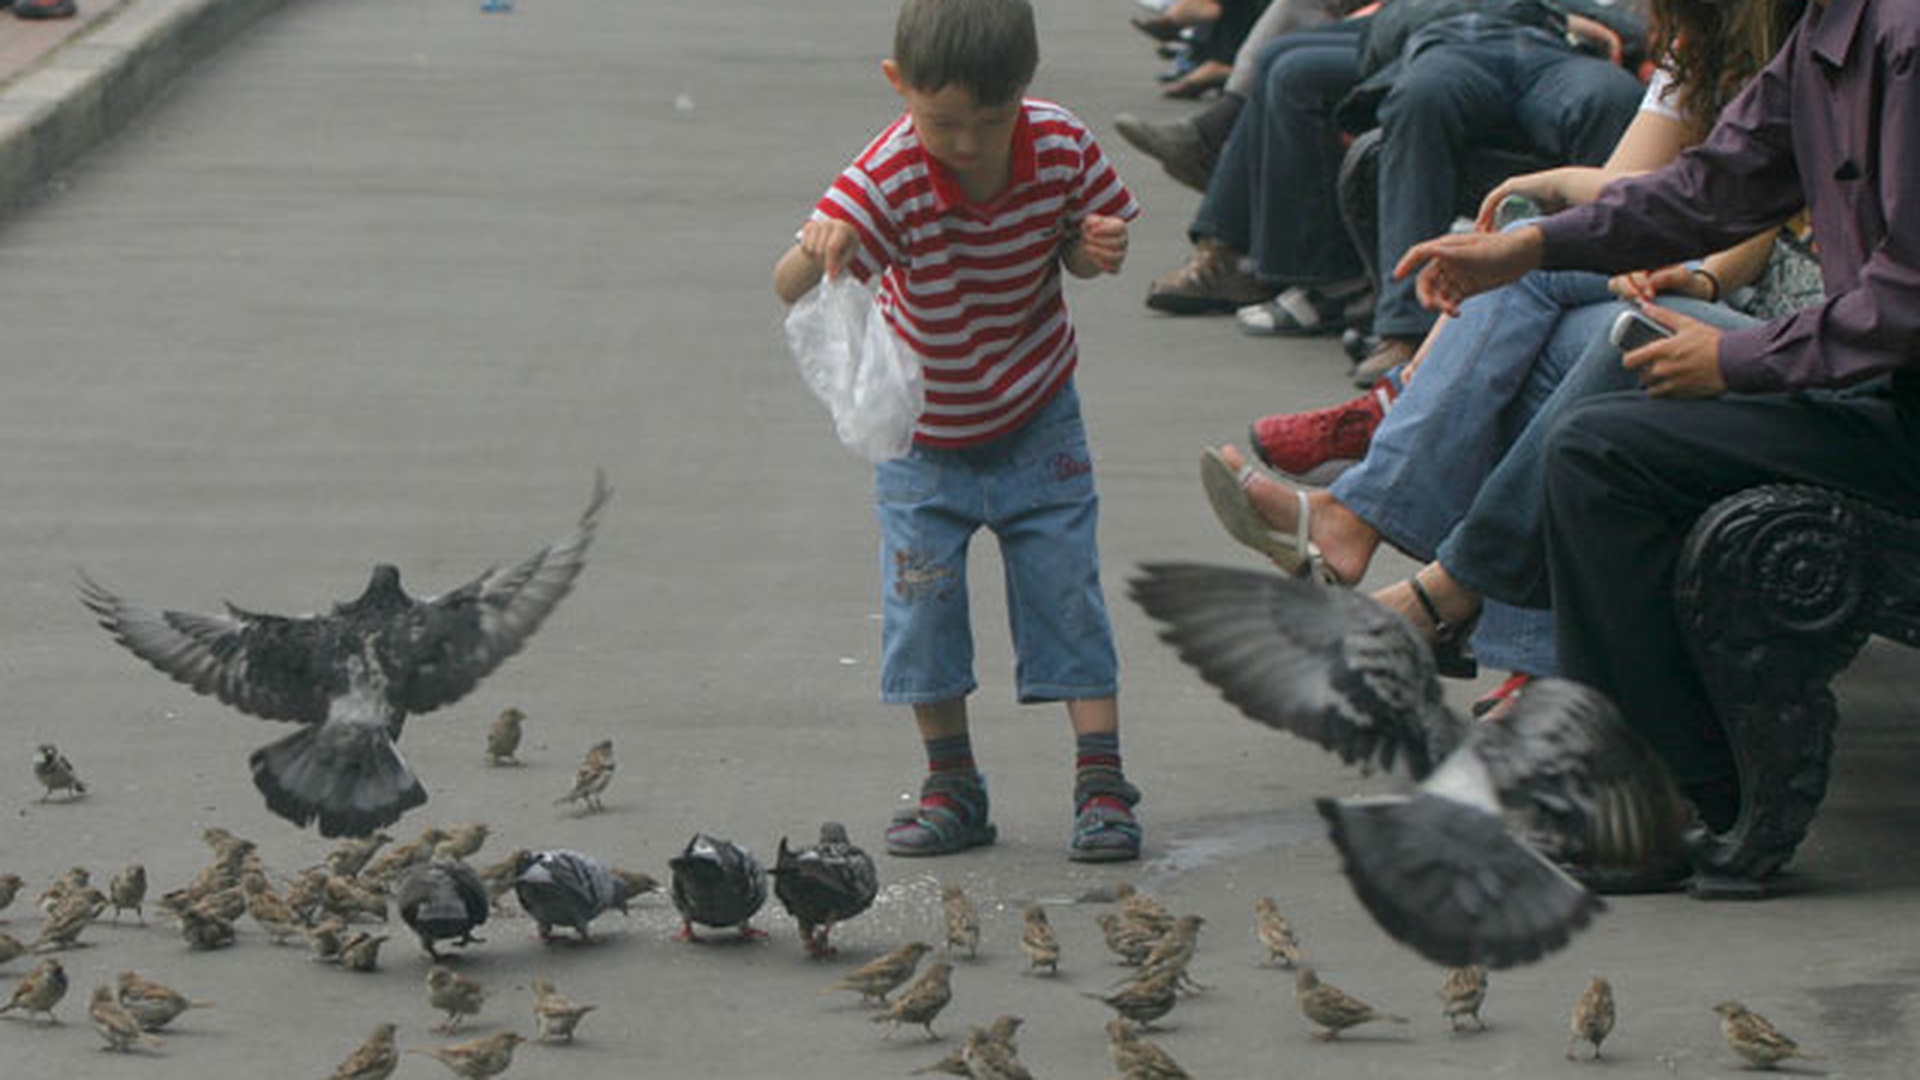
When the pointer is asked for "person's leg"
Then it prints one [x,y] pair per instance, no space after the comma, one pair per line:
[1573,107]
[1294,226]
[1279,17]
[1626,478]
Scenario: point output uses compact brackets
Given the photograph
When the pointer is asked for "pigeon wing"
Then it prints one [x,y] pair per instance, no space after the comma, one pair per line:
[268,666]
[438,650]
[1326,664]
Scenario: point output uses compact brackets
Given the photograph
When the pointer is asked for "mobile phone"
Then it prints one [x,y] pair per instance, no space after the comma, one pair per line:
[1635,328]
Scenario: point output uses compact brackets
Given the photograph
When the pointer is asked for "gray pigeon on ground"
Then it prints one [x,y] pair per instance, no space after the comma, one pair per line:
[823,885]
[1463,867]
[567,888]
[351,677]
[716,883]
[442,900]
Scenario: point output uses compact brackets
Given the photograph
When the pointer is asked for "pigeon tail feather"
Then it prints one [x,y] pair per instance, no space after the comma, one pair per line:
[345,773]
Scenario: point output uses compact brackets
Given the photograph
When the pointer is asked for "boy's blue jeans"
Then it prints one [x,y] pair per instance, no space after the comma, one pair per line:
[1034,489]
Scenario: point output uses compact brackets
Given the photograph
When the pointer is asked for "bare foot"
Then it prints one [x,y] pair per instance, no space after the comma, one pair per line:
[1455,602]
[1345,541]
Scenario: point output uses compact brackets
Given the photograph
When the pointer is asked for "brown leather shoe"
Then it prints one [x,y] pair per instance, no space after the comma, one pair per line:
[1175,144]
[1211,280]
[1389,354]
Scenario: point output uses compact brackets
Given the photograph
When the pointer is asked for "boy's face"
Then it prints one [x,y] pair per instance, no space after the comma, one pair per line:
[974,140]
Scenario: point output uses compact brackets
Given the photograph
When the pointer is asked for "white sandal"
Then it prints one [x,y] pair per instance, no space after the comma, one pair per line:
[1227,494]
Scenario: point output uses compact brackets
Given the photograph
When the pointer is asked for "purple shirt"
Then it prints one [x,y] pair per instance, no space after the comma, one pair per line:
[1834,122]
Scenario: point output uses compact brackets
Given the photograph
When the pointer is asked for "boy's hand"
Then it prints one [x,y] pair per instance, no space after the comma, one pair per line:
[830,243]
[1103,240]
[1686,365]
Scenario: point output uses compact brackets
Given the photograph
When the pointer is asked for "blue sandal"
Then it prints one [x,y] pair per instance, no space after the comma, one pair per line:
[940,829]
[1102,831]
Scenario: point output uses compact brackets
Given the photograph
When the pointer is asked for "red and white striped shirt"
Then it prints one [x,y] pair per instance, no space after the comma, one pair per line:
[974,289]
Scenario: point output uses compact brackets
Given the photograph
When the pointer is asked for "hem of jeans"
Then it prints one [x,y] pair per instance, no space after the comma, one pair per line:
[1492,586]
[927,697]
[1391,527]
[1045,694]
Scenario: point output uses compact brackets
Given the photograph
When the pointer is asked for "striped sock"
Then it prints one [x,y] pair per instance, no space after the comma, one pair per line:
[1097,771]
[953,754]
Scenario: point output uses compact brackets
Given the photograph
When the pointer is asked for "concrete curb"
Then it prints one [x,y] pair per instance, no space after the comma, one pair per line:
[93,85]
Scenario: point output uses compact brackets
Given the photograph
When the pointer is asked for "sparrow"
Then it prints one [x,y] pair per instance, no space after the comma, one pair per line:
[151,1004]
[555,1013]
[986,1058]
[1592,1019]
[128,890]
[40,991]
[1754,1039]
[1463,867]
[921,1001]
[325,940]
[72,881]
[229,848]
[592,778]
[1146,998]
[716,883]
[963,921]
[341,897]
[463,841]
[824,885]
[228,904]
[477,1059]
[361,952]
[350,856]
[269,911]
[384,869]
[1276,933]
[442,900]
[453,994]
[115,1024]
[55,773]
[1129,940]
[503,737]
[877,978]
[62,928]
[498,876]
[1138,1057]
[1003,1030]
[1038,941]
[1462,994]
[11,947]
[204,930]
[9,888]
[375,1059]
[351,677]
[1174,951]
[1138,907]
[1332,1008]
[567,888]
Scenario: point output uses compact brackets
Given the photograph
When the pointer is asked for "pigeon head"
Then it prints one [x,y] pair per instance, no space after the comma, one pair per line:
[383,592]
[832,832]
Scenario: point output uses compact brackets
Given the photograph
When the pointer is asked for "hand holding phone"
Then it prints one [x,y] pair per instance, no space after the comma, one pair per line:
[1634,329]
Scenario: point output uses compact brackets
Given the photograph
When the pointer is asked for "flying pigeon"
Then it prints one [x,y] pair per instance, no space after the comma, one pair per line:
[441,900]
[716,883]
[823,885]
[1463,867]
[567,888]
[352,676]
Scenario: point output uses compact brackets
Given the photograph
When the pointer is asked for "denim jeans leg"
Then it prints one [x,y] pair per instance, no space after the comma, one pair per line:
[1296,233]
[927,508]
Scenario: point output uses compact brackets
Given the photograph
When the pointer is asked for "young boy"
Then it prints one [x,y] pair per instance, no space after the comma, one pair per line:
[967,207]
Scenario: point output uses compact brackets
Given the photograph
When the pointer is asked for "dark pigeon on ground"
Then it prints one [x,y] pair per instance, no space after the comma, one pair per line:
[717,883]
[442,900]
[351,677]
[1464,868]
[567,888]
[824,885]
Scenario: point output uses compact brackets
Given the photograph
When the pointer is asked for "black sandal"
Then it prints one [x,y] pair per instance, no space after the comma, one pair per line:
[1452,654]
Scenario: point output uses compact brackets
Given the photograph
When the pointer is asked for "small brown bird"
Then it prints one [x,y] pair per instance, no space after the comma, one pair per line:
[1126,939]
[463,840]
[1145,999]
[350,856]
[455,995]
[1039,942]
[115,1024]
[477,1059]
[324,941]
[503,737]
[9,888]
[66,884]
[204,930]
[921,1001]
[1138,907]
[963,921]
[987,1058]
[498,877]
[55,773]
[62,928]
[875,979]
[399,857]
[1332,1008]
[153,1005]
[1462,994]
[1174,952]
[1754,1039]
[128,890]
[595,773]
[556,1013]
[340,896]
[269,911]
[1592,1019]
[11,947]
[1276,933]
[304,894]
[361,952]
[1138,1057]
[228,904]
[374,1060]
[40,991]
[1003,1030]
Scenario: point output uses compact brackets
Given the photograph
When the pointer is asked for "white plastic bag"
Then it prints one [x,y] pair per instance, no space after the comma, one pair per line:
[854,362]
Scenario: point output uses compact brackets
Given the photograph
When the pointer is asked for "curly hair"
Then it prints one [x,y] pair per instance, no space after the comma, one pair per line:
[1714,47]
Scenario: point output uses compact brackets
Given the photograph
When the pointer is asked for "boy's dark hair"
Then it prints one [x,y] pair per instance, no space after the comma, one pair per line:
[988,46]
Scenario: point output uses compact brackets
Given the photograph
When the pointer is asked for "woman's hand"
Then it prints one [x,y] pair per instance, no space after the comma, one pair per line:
[1644,285]
[1542,187]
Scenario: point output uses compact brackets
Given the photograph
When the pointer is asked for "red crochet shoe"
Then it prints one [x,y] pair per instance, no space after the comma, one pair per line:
[1316,447]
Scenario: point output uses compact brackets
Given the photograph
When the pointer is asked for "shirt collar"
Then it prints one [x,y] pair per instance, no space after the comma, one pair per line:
[1834,29]
[947,194]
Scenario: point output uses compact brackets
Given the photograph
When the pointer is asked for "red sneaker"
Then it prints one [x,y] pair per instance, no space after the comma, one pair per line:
[44,9]
[1316,447]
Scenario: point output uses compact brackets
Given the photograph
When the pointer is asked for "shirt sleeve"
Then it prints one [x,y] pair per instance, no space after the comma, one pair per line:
[855,198]
[1098,189]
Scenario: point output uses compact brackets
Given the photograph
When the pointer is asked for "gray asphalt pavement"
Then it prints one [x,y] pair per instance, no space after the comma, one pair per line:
[388,281]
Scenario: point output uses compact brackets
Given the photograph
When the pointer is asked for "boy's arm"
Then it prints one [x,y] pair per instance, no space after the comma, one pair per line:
[826,246]
[1100,247]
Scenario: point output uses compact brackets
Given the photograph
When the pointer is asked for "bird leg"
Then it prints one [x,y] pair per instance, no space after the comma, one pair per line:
[685,933]
[748,933]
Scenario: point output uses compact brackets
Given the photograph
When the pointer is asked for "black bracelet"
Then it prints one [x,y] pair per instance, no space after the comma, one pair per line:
[1713,279]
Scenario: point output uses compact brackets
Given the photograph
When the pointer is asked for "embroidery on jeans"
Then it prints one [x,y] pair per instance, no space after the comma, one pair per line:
[1066,467]
[917,577]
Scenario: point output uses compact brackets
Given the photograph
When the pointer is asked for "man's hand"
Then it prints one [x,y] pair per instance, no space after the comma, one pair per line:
[831,243]
[1459,265]
[1100,247]
[1686,365]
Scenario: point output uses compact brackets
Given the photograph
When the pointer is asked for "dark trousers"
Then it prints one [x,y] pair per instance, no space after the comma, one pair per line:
[1626,478]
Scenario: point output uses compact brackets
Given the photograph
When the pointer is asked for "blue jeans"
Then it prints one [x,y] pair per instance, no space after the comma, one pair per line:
[1498,548]
[1034,489]
[1483,378]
